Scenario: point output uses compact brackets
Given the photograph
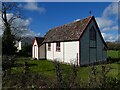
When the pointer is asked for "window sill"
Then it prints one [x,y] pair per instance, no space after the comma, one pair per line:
[57,50]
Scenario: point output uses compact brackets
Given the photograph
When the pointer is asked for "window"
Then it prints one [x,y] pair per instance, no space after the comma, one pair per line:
[92,34]
[49,46]
[58,46]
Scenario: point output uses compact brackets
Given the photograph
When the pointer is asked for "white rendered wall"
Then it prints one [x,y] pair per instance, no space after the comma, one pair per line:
[50,53]
[58,54]
[71,49]
[68,52]
[19,45]
[35,50]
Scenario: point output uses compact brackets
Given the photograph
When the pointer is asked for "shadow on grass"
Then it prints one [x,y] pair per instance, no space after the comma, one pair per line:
[50,69]
[21,65]
[30,65]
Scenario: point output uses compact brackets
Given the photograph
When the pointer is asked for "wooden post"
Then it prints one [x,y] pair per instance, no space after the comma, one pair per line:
[77,59]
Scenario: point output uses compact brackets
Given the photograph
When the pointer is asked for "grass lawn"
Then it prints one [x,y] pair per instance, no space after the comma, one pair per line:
[46,68]
[113,54]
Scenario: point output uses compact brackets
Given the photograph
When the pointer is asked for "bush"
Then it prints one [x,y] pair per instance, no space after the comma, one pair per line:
[113,82]
[7,63]
[112,60]
[26,51]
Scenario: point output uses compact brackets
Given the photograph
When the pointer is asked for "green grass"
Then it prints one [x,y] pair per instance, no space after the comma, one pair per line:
[43,67]
[112,54]
[46,68]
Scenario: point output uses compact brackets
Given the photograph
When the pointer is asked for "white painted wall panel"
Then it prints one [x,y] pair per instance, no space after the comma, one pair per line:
[19,45]
[35,50]
[50,54]
[70,51]
[58,54]
[42,52]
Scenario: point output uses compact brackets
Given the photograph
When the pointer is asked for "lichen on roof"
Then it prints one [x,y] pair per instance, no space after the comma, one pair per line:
[70,31]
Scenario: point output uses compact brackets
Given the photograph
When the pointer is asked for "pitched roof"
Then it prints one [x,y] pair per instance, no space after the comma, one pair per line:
[71,31]
[39,40]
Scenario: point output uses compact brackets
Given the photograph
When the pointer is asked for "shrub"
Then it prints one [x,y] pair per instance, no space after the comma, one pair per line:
[7,63]
[59,76]
[113,82]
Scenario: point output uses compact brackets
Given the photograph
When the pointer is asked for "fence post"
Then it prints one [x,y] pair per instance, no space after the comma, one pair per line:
[77,59]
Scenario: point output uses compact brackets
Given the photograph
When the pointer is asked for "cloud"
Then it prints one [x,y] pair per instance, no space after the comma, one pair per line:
[1,32]
[110,28]
[23,25]
[115,27]
[1,25]
[109,37]
[108,22]
[118,38]
[103,22]
[31,34]
[9,15]
[106,29]
[112,9]
[33,6]
[37,34]
[22,22]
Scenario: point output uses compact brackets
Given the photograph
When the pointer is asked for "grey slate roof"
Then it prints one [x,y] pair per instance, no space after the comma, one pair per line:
[39,40]
[71,31]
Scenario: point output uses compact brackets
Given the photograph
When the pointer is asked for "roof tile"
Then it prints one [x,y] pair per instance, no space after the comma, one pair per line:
[71,31]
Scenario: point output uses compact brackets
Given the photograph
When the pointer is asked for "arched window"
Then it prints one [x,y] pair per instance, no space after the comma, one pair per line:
[92,34]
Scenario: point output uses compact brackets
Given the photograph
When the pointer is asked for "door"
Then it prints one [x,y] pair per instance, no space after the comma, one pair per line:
[35,52]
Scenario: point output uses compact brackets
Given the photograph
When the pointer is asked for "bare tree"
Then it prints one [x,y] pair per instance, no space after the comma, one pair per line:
[8,47]
[12,30]
[9,14]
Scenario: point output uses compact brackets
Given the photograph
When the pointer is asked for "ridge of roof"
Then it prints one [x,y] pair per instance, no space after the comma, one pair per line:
[72,22]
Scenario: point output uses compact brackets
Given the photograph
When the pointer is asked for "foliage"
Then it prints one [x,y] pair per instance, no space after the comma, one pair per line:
[92,77]
[46,74]
[23,82]
[13,27]
[113,82]
[113,56]
[8,39]
[99,78]
[26,51]
[58,74]
[72,83]
[7,63]
[8,43]
[113,46]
